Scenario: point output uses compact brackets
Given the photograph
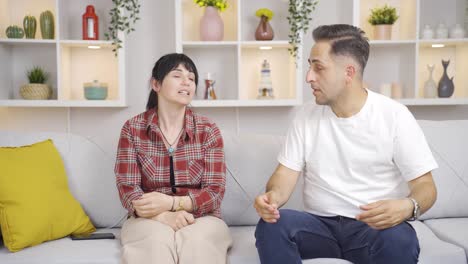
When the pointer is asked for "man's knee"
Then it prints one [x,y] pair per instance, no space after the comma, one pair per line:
[401,238]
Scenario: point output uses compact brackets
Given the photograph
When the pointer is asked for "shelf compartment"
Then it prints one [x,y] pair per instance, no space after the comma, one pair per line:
[388,64]
[250,22]
[12,12]
[405,26]
[71,17]
[283,72]
[458,56]
[221,62]
[192,13]
[18,58]
[245,103]
[450,13]
[80,64]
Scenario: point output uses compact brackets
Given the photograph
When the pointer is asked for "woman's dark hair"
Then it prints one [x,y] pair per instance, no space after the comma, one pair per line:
[164,66]
[345,40]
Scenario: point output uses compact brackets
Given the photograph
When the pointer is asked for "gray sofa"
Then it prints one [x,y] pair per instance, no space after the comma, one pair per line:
[250,159]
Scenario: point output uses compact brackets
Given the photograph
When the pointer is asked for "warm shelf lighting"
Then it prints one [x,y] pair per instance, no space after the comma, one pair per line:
[265,47]
[94,47]
[438,45]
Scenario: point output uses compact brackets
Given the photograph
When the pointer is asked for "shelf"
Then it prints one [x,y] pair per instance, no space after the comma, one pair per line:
[208,44]
[27,41]
[244,103]
[61,103]
[391,42]
[274,43]
[445,42]
[434,101]
[86,43]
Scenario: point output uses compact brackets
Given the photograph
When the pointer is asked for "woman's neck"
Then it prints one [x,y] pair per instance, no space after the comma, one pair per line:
[171,120]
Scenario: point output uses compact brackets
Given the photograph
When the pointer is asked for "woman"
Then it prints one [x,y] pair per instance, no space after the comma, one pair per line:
[171,175]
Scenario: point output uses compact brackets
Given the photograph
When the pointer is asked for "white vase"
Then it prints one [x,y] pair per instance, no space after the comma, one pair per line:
[442,31]
[457,32]
[430,86]
[427,32]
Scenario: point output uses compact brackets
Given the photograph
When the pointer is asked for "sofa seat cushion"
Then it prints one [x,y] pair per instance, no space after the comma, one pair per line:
[67,251]
[434,250]
[452,230]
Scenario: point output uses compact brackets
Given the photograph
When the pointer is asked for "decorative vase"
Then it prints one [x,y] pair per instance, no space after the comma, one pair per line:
[47,25]
[446,87]
[427,32]
[211,25]
[14,32]
[430,86]
[457,32]
[442,31]
[382,32]
[29,25]
[264,30]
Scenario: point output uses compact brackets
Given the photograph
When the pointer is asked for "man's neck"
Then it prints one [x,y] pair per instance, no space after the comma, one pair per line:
[350,103]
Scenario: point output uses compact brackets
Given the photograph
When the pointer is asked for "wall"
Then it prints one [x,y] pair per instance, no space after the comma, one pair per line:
[154,36]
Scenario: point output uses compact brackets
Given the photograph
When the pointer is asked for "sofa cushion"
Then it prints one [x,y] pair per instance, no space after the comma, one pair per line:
[89,169]
[448,142]
[250,161]
[67,251]
[434,250]
[35,202]
[452,230]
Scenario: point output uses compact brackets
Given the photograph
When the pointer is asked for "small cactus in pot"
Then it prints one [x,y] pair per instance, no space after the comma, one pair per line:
[14,32]
[30,25]
[36,89]
[47,25]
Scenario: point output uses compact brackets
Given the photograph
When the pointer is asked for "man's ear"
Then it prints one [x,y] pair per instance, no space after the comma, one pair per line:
[155,85]
[350,72]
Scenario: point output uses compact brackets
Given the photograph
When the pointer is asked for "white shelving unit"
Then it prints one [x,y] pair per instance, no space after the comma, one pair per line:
[236,61]
[69,60]
[403,59]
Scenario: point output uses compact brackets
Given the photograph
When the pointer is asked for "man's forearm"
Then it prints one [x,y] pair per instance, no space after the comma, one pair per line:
[423,190]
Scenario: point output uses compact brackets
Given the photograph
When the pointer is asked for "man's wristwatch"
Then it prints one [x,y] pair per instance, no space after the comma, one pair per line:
[416,210]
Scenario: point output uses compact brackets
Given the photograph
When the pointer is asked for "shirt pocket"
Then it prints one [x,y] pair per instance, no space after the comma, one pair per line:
[196,168]
[153,168]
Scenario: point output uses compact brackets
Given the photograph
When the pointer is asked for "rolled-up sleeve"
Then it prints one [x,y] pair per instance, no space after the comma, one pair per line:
[207,199]
[127,171]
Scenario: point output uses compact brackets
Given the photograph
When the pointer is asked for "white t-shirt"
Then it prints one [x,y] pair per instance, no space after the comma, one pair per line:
[354,161]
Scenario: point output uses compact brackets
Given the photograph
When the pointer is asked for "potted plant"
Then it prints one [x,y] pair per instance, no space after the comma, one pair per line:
[382,18]
[36,89]
[264,30]
[300,12]
[211,23]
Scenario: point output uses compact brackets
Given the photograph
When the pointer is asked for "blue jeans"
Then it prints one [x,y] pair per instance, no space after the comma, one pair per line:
[300,235]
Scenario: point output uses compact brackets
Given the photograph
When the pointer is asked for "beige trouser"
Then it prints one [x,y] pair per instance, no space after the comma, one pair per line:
[147,241]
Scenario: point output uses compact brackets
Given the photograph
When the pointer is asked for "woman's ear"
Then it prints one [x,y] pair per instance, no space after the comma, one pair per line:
[155,85]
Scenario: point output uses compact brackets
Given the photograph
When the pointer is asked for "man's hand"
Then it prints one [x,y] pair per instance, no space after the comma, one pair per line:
[267,207]
[386,213]
[151,204]
[176,220]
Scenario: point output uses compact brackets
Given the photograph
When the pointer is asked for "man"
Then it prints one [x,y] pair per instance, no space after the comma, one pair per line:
[367,167]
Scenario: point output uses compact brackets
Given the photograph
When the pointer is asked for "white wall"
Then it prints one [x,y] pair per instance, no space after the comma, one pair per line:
[154,37]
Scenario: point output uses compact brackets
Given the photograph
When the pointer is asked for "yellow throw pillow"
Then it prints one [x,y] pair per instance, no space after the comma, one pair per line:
[35,202]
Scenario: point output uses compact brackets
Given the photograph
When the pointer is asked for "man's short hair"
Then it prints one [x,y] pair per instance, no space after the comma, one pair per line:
[345,40]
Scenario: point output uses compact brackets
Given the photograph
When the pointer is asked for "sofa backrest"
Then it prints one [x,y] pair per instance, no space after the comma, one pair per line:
[448,141]
[250,161]
[90,173]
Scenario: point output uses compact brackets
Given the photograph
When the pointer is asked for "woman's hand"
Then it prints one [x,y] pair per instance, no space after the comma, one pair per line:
[176,220]
[152,204]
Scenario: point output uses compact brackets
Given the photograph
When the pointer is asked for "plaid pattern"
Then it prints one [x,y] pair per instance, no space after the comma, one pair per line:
[142,163]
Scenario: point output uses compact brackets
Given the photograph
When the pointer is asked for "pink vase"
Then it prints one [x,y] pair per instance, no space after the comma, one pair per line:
[264,30]
[211,25]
